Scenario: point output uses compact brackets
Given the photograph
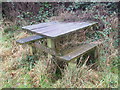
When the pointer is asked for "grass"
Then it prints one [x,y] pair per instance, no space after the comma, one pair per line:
[20,69]
[85,77]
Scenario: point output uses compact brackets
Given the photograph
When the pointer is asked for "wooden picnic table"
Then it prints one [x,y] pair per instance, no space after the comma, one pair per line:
[53,30]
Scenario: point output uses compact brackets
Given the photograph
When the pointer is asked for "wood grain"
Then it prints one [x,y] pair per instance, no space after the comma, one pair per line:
[55,29]
[79,51]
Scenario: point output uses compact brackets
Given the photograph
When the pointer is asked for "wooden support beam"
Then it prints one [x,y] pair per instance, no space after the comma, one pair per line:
[44,48]
[50,44]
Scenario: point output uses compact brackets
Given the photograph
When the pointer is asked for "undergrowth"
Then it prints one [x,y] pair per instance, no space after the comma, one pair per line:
[20,69]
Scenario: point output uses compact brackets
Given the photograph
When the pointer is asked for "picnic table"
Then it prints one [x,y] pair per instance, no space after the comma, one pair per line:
[52,32]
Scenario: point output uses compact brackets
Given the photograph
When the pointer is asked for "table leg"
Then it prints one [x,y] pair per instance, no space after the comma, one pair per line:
[50,44]
[32,49]
[59,63]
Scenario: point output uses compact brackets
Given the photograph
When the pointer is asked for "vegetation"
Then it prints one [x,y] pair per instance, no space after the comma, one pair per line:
[20,69]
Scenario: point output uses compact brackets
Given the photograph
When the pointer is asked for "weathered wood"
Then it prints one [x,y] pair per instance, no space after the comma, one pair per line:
[50,44]
[32,50]
[40,25]
[79,51]
[53,27]
[63,40]
[57,29]
[30,39]
[43,48]
[67,29]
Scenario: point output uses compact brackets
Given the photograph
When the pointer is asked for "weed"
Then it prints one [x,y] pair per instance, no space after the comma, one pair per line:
[28,62]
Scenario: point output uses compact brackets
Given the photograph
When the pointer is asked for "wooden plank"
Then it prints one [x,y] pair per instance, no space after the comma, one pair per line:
[41,25]
[61,27]
[59,30]
[29,39]
[55,29]
[79,51]
[68,29]
[43,48]
[50,44]
[49,28]
[52,28]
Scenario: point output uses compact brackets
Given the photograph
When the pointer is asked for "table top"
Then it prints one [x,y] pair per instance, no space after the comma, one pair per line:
[55,29]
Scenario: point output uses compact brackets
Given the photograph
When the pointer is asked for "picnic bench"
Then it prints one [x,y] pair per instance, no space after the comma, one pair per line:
[65,40]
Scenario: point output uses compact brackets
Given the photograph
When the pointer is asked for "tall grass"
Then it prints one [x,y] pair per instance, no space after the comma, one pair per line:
[14,70]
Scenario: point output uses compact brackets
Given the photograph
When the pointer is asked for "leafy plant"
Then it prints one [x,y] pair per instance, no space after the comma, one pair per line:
[43,14]
[28,62]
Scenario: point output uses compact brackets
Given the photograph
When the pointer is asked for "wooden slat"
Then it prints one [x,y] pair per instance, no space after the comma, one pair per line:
[79,51]
[67,29]
[55,29]
[29,39]
[43,48]
[59,30]
[46,29]
[63,27]
[41,25]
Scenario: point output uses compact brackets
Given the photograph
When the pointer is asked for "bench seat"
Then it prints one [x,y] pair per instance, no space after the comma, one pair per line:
[29,39]
[79,51]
